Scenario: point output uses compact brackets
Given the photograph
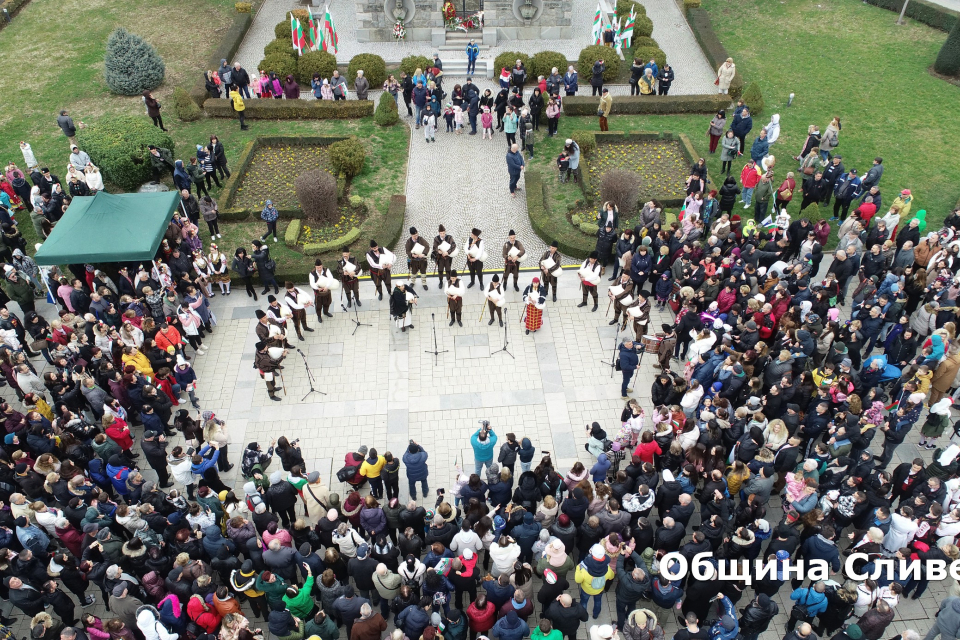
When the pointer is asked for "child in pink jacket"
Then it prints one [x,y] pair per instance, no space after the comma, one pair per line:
[486,121]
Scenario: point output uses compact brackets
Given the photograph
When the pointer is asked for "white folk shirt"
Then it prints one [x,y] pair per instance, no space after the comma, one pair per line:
[315,278]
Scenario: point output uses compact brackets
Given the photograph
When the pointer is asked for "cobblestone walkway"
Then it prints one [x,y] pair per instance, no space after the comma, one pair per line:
[461,181]
[670,29]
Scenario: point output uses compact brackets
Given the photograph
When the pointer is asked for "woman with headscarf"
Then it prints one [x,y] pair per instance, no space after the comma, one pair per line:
[291,90]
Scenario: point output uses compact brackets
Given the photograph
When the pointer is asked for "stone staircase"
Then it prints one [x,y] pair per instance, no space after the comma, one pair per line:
[454,57]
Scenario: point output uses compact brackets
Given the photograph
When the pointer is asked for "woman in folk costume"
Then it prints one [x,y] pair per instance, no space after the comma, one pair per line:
[218,269]
[402,300]
[495,299]
[535,297]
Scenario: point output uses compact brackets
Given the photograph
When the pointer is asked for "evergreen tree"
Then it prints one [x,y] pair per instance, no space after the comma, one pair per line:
[948,60]
[131,65]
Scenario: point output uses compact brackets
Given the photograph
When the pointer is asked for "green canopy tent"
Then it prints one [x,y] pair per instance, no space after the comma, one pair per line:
[109,227]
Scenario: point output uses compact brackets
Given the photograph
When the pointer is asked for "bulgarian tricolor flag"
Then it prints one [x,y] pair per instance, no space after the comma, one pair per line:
[627,33]
[597,26]
[331,40]
[296,35]
[311,34]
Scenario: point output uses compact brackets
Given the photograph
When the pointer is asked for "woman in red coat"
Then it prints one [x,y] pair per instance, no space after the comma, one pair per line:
[203,614]
[647,448]
[117,430]
[785,193]
[482,615]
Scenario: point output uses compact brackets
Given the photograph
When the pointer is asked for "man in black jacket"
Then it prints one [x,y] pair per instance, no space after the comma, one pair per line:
[566,616]
[155,449]
[241,79]
[690,321]
[831,174]
[756,616]
[843,268]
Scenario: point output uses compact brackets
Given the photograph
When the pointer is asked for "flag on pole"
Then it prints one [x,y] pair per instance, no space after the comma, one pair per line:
[321,37]
[330,32]
[628,28]
[311,33]
[296,33]
[597,27]
[618,35]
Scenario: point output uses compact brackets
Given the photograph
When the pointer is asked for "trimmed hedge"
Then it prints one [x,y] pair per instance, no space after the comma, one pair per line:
[633,105]
[12,7]
[921,11]
[754,99]
[645,53]
[542,63]
[715,52]
[386,114]
[279,63]
[184,106]
[643,41]
[509,59]
[410,64]
[373,66]
[313,62]
[316,248]
[227,49]
[118,145]
[292,234]
[623,8]
[386,228]
[347,156]
[643,26]
[589,55]
[948,59]
[292,109]
[548,227]
[281,46]
[282,30]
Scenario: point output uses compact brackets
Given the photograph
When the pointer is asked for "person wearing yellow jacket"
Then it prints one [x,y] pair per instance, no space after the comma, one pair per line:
[592,575]
[243,581]
[140,362]
[239,107]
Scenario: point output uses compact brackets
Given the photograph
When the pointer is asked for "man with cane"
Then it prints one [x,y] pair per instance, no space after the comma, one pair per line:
[267,361]
[628,362]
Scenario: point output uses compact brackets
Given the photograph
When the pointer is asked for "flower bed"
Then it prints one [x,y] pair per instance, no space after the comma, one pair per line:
[271,173]
[350,218]
[660,163]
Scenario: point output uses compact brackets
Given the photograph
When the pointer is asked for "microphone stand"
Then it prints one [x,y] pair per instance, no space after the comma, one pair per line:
[355,320]
[310,378]
[436,348]
[613,357]
[506,340]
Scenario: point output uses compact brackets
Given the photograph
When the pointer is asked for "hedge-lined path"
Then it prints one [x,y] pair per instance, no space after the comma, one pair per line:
[461,182]
[670,30]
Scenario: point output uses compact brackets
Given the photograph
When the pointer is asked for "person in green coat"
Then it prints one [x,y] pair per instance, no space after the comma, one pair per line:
[761,198]
[18,289]
[273,587]
[322,626]
[299,602]
[937,421]
[545,631]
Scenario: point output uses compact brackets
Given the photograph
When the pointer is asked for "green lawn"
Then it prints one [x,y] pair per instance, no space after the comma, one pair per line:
[842,58]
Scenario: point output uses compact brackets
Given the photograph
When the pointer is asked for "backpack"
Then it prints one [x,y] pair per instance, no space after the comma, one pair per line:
[596,582]
[347,473]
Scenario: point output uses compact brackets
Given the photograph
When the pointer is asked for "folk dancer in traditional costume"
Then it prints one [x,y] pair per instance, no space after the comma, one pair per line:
[381,261]
[455,292]
[349,272]
[218,266]
[444,250]
[513,254]
[621,294]
[589,279]
[535,297]
[323,284]
[668,341]
[550,268]
[417,251]
[402,300]
[269,332]
[267,361]
[495,299]
[639,311]
[476,254]
[297,302]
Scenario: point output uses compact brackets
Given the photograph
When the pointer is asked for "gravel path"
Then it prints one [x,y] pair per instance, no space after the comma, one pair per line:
[670,29]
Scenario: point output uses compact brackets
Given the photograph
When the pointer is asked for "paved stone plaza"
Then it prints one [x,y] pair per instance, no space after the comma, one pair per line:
[383,388]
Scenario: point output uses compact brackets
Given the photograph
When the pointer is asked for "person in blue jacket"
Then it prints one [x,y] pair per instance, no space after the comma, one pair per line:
[813,601]
[415,460]
[726,627]
[473,51]
[484,441]
[628,364]
[510,627]
[571,81]
[117,471]
[202,461]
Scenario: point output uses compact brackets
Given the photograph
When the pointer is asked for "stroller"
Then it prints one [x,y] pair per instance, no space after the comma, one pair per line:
[890,373]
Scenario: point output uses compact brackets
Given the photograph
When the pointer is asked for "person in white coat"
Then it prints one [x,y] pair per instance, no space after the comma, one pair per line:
[691,399]
[903,527]
[773,129]
[702,343]
[148,621]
